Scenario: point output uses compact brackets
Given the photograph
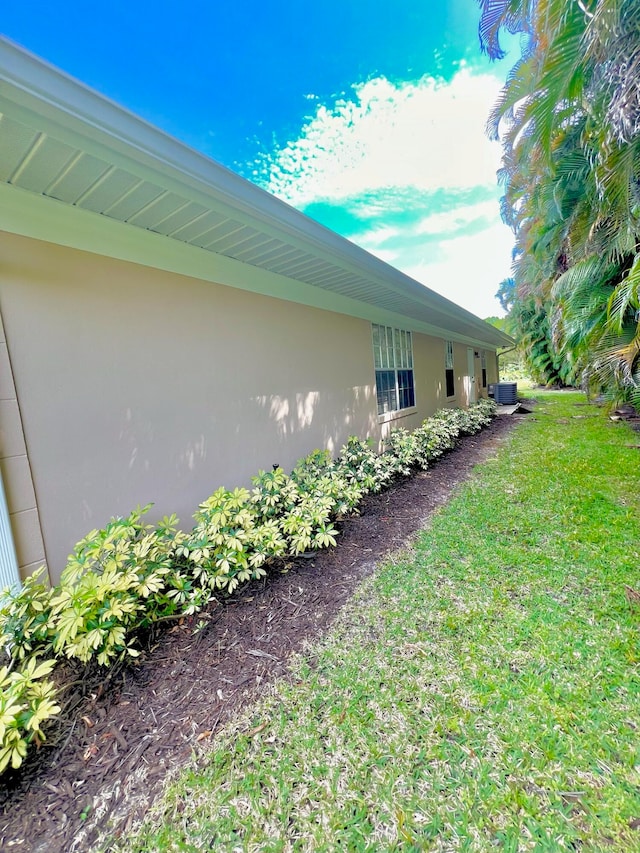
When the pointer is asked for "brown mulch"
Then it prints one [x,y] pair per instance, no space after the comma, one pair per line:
[101,768]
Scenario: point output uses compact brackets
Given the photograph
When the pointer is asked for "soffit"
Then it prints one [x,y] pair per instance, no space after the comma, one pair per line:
[62,141]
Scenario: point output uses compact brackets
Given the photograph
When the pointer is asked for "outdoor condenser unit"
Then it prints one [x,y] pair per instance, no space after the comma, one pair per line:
[505,393]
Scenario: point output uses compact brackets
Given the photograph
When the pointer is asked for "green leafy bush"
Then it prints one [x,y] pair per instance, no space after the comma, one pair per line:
[108,588]
[232,539]
[319,474]
[439,433]
[471,420]
[346,494]
[26,702]
[488,410]
[311,468]
[402,448]
[359,463]
[274,492]
[131,574]
[25,617]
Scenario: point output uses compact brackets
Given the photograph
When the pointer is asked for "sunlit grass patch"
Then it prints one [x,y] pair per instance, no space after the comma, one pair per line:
[480,692]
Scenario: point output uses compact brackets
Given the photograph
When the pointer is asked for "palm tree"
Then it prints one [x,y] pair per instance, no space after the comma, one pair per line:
[569,120]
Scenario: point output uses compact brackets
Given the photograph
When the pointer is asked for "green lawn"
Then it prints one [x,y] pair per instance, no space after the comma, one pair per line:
[481,692]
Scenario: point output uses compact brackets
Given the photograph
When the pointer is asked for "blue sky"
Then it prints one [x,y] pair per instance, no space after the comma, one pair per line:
[367,116]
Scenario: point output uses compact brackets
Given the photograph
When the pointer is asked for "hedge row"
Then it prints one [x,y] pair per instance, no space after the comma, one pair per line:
[131,574]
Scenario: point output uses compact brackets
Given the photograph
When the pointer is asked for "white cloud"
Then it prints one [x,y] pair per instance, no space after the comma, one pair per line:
[409,147]
[427,135]
[410,237]
[443,223]
[470,270]
[377,236]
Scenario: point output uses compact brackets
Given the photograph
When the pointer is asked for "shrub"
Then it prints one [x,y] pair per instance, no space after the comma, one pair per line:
[311,468]
[274,492]
[130,574]
[108,588]
[476,417]
[346,494]
[317,473]
[359,463]
[26,701]
[434,437]
[227,546]
[308,524]
[402,448]
[25,617]
[488,408]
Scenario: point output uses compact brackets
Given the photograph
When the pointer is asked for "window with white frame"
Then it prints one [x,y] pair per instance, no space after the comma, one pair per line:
[483,359]
[393,361]
[448,369]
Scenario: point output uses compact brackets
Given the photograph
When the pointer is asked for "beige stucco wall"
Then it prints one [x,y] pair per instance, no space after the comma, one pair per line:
[492,368]
[136,385]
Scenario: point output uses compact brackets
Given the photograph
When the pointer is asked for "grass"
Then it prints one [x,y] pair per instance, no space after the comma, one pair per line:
[480,692]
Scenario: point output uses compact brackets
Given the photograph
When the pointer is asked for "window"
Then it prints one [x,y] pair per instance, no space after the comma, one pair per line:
[483,358]
[448,369]
[393,360]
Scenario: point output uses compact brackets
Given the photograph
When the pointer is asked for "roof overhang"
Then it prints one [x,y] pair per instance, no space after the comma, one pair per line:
[79,170]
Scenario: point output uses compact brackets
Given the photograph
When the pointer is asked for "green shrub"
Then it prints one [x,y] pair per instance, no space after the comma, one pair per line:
[319,474]
[359,463]
[476,417]
[434,437]
[26,701]
[308,524]
[488,408]
[346,494]
[130,574]
[108,588]
[274,492]
[25,615]
[401,447]
[311,468]
[228,545]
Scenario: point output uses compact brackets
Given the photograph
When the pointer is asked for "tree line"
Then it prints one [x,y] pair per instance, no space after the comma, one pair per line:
[568,118]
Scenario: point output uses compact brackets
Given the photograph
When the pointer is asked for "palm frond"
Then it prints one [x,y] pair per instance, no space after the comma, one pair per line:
[625,299]
[497,15]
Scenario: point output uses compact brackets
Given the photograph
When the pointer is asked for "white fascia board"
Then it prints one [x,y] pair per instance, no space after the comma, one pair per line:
[46,99]
[81,117]
[42,218]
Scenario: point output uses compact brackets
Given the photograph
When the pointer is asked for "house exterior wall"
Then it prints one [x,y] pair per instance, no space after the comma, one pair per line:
[138,385]
[493,367]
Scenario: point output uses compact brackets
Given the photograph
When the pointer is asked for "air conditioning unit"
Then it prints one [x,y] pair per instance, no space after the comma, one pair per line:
[505,393]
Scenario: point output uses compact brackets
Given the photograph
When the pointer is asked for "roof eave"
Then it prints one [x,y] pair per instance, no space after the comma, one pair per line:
[75,110]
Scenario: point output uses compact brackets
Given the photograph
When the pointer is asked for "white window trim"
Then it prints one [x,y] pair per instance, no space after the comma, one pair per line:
[385,417]
[447,367]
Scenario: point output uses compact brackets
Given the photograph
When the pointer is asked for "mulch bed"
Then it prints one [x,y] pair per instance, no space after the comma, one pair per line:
[103,765]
